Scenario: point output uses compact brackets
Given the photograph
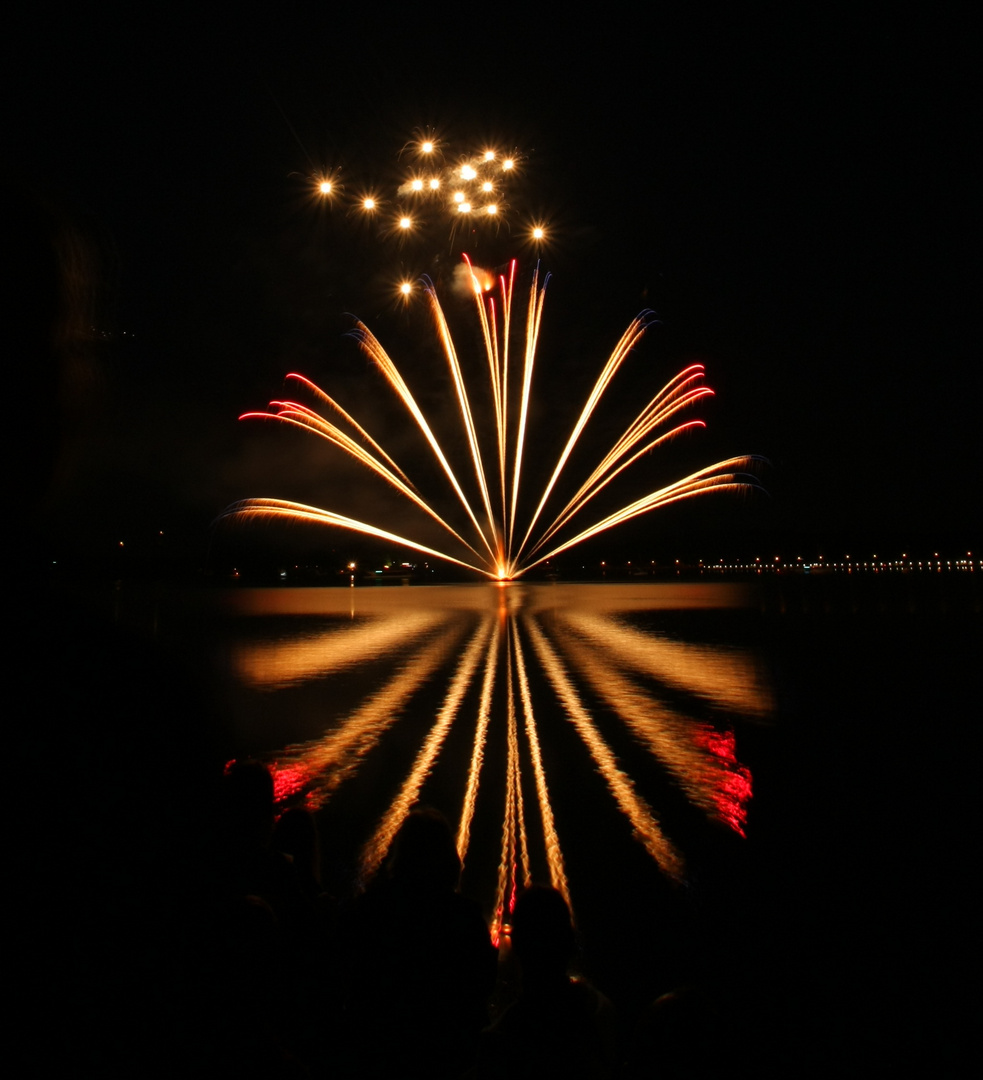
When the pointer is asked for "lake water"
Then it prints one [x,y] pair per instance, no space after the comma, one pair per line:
[765,791]
[511,708]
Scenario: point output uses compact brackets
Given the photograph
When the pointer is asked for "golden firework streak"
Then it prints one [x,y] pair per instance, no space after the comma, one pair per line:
[494,548]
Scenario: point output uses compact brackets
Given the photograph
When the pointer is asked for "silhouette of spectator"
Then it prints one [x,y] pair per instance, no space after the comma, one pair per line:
[263,933]
[250,866]
[560,1026]
[295,834]
[314,1023]
[421,963]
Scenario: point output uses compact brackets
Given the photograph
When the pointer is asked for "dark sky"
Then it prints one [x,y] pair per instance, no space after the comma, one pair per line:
[795,197]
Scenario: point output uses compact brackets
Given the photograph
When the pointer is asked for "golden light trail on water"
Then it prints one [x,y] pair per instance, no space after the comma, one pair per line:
[638,812]
[517,781]
[669,736]
[513,826]
[486,641]
[495,553]
[532,634]
[275,665]
[326,763]
[375,850]
[729,680]
[554,857]
[478,750]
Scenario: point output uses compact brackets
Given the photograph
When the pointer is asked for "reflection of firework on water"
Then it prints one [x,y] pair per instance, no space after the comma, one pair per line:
[504,540]
[591,667]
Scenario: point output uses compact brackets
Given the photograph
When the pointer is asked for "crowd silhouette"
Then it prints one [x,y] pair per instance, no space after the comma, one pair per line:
[397,978]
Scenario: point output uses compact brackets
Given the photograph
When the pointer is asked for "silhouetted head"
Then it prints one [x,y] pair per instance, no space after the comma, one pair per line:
[248,801]
[295,834]
[424,855]
[542,932]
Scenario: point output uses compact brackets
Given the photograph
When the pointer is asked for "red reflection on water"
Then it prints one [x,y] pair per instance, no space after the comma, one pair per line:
[287,780]
[733,788]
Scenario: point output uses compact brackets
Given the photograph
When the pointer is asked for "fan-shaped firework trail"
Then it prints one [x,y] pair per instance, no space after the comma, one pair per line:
[496,450]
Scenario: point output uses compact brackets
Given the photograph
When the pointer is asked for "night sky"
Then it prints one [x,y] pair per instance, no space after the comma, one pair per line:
[794,197]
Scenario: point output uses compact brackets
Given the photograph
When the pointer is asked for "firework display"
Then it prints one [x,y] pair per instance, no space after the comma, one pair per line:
[494,530]
[437,192]
[474,493]
[501,543]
